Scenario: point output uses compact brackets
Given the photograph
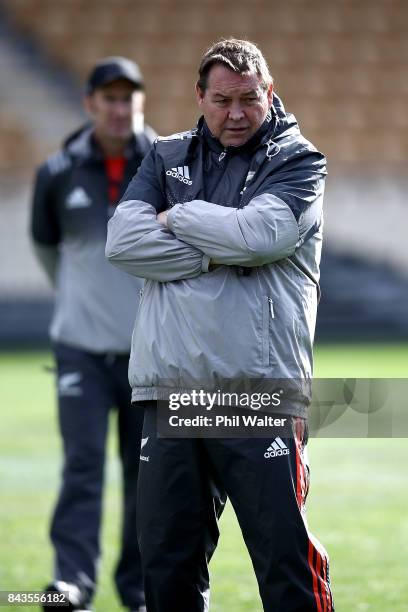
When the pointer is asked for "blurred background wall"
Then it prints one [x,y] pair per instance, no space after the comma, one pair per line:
[340,67]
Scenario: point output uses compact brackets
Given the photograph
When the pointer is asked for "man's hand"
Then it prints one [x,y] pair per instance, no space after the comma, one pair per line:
[162,218]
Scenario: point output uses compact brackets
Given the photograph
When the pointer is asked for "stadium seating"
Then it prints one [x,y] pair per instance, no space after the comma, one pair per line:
[17,149]
[338,64]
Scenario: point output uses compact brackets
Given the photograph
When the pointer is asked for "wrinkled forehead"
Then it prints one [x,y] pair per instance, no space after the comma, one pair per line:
[223,81]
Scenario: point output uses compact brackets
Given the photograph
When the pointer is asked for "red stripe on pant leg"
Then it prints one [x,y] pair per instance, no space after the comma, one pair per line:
[326,584]
[321,588]
[328,589]
[321,582]
[326,599]
[314,575]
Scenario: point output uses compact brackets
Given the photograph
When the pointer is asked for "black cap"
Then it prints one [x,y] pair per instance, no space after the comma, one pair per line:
[112,69]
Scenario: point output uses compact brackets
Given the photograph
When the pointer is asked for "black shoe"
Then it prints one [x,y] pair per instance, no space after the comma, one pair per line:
[139,609]
[78,598]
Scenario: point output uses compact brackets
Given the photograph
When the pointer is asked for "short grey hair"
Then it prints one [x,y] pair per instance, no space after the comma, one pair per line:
[241,56]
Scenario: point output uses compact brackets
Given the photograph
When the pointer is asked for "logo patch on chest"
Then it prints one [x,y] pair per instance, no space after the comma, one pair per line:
[181,173]
[78,198]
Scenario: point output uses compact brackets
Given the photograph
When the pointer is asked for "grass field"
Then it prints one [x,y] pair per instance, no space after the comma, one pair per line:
[358,504]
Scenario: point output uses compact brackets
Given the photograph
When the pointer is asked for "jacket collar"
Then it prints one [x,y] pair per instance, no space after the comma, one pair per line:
[82,146]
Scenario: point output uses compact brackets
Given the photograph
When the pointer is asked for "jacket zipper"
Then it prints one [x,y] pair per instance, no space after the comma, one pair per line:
[268,314]
[222,155]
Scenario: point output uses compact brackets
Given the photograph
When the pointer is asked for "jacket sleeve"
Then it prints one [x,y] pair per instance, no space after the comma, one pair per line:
[285,211]
[44,228]
[138,244]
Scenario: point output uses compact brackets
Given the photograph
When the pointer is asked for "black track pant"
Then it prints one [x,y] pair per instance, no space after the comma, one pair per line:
[181,483]
[89,385]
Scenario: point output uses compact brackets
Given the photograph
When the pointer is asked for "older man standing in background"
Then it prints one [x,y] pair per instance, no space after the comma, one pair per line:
[76,192]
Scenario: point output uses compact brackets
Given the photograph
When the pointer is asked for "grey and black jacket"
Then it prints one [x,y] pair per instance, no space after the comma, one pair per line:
[232,283]
[95,303]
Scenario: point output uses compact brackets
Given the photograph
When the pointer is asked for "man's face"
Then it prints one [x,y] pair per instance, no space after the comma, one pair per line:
[234,105]
[113,109]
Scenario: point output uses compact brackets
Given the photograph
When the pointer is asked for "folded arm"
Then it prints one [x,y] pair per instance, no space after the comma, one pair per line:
[139,244]
[284,212]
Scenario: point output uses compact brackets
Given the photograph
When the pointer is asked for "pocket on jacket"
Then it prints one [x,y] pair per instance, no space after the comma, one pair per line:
[268,322]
